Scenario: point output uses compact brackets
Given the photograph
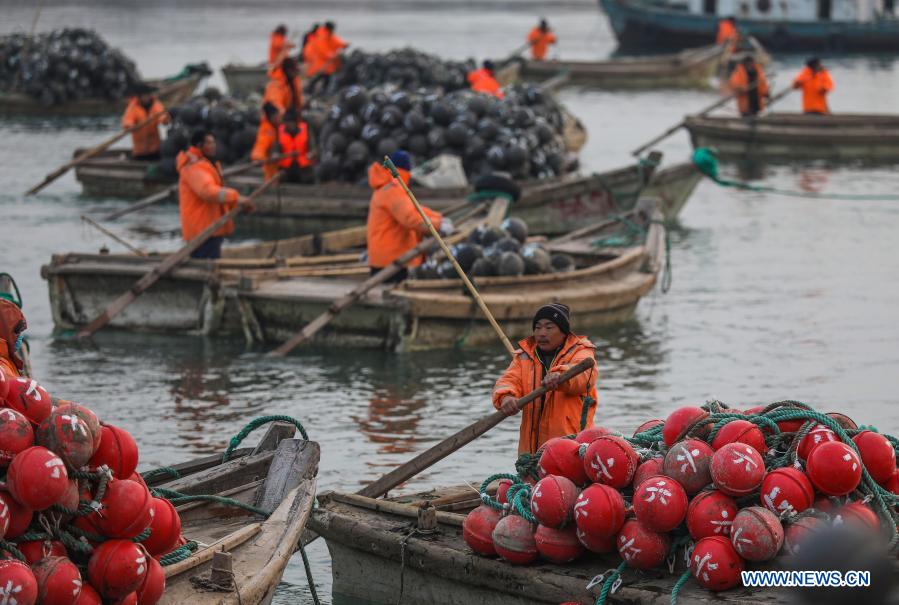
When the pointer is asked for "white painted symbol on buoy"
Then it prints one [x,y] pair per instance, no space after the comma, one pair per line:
[687,459]
[580,508]
[32,388]
[7,593]
[141,560]
[662,492]
[628,550]
[77,590]
[740,458]
[603,469]
[55,463]
[723,526]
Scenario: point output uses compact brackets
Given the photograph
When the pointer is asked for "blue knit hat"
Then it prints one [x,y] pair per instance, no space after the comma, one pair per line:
[401,159]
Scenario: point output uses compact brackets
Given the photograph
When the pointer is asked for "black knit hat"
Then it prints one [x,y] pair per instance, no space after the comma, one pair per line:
[557,313]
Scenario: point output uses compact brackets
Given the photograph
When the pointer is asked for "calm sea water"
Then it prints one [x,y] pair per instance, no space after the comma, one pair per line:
[773,297]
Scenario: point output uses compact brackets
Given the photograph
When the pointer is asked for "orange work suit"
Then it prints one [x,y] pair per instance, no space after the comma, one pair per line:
[749,102]
[266,146]
[727,33]
[145,140]
[567,410]
[202,196]
[283,94]
[540,41]
[815,87]
[330,45]
[393,222]
[483,81]
[12,323]
[278,47]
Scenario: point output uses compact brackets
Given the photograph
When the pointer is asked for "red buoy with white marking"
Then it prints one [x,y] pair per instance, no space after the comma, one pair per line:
[591,434]
[502,490]
[558,545]
[640,547]
[87,415]
[757,534]
[737,469]
[710,513]
[877,454]
[513,539]
[834,468]
[679,422]
[127,510]
[816,436]
[37,478]
[477,530]
[787,489]
[17,583]
[611,460]
[58,581]
[740,431]
[153,586]
[165,529]
[857,514]
[688,464]
[715,564]
[552,501]
[88,596]
[647,469]
[28,397]
[599,512]
[68,436]
[117,568]
[19,516]
[660,503]
[117,450]
[16,434]
[562,457]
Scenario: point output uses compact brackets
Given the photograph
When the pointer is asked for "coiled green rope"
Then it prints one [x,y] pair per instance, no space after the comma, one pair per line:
[608,583]
[179,554]
[255,424]
[675,590]
[485,497]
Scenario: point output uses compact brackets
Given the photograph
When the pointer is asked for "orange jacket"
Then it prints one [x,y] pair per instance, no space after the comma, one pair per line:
[329,47]
[313,56]
[298,143]
[281,94]
[739,83]
[12,323]
[278,47]
[202,196]
[393,222]
[815,87]
[540,41]
[146,139]
[727,32]
[266,146]
[483,81]
[559,412]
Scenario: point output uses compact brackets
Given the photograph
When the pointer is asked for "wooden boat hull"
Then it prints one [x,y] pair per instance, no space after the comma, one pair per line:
[640,24]
[244,80]
[791,137]
[687,69]
[171,93]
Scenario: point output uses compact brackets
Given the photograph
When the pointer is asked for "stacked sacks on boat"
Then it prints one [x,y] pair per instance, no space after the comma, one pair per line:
[730,489]
[497,251]
[405,69]
[73,503]
[64,65]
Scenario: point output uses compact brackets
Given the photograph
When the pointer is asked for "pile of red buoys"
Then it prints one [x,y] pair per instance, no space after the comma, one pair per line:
[82,524]
[733,489]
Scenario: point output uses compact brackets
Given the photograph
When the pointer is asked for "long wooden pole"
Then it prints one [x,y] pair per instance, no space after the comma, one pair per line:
[163,268]
[455,442]
[91,153]
[449,255]
[117,238]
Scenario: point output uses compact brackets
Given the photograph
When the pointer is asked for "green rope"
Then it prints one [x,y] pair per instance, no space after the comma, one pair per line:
[521,503]
[179,498]
[526,465]
[15,299]
[179,554]
[585,408]
[255,424]
[11,548]
[678,585]
[485,497]
[309,578]
[630,234]
[706,161]
[607,584]
[142,536]
[163,471]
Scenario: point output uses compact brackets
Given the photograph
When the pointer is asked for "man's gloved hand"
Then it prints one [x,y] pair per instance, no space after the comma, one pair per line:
[447,227]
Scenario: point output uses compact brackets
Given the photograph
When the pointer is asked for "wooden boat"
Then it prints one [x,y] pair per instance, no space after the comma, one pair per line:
[170,92]
[785,136]
[550,207]
[381,553]
[689,68]
[244,80]
[277,476]
[266,292]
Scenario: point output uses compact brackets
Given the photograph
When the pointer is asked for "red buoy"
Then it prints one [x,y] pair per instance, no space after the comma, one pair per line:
[5,379]
[846,423]
[647,469]
[892,484]
[562,457]
[68,436]
[28,397]
[877,454]
[825,504]
[16,434]
[93,423]
[127,510]
[800,531]
[165,529]
[611,460]
[558,545]
[599,512]
[687,462]
[815,437]
[715,564]
[129,599]
[834,468]
[17,583]
[757,534]
[787,489]
[640,547]
[117,568]
[597,544]
[660,503]
[58,581]
[591,434]
[35,550]
[679,421]
[513,540]
[552,501]
[150,592]
[649,424]
[710,513]
[37,478]
[740,431]
[477,530]
[19,516]
[117,450]
[88,596]
[737,469]
[502,491]
[859,515]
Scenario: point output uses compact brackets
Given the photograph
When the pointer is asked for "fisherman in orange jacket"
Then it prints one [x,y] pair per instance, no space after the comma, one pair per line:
[541,360]
[278,45]
[750,86]
[727,32]
[202,195]
[12,338]
[816,84]
[483,80]
[322,55]
[266,144]
[293,138]
[540,38]
[394,225]
[145,141]
[284,89]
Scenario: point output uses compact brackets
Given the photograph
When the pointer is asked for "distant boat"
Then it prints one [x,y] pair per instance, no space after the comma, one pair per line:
[785,25]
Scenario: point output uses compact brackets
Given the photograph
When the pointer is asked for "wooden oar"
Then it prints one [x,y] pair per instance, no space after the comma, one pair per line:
[91,153]
[514,54]
[720,102]
[455,442]
[449,255]
[163,268]
[106,231]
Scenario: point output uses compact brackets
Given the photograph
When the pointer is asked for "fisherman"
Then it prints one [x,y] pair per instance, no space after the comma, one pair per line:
[278,46]
[293,141]
[324,56]
[307,38]
[483,80]
[727,33]
[750,85]
[266,144]
[540,38]
[394,225]
[145,141]
[816,84]
[12,338]
[541,359]
[284,89]
[203,197]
